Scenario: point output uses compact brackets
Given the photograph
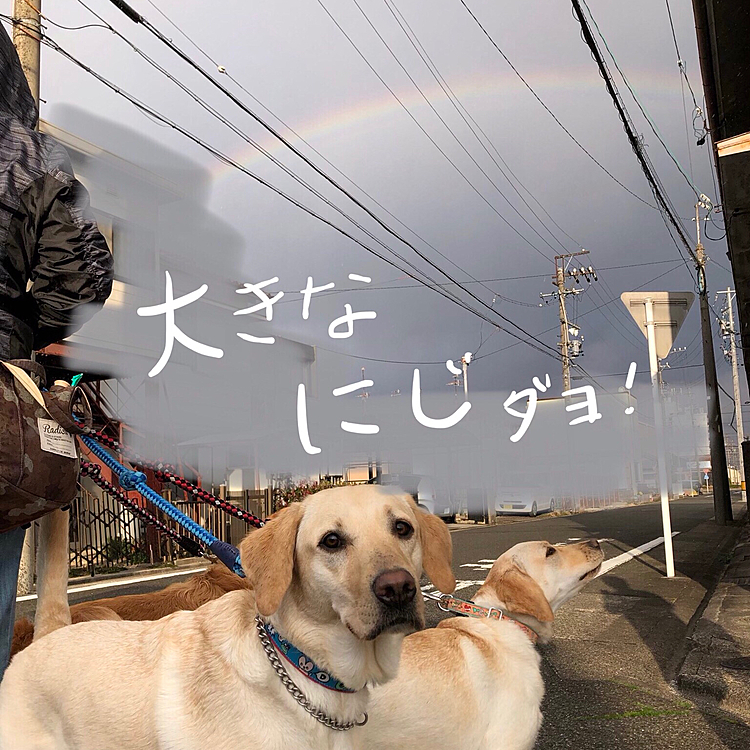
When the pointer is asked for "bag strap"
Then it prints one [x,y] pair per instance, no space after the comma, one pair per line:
[25,380]
[51,405]
[37,372]
[64,416]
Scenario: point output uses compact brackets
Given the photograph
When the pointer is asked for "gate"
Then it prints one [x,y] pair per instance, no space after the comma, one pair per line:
[104,536]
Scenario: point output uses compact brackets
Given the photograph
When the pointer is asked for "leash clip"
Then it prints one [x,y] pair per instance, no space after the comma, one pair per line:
[441,602]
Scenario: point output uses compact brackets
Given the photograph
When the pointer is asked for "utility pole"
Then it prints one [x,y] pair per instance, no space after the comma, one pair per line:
[465,367]
[463,373]
[26,39]
[719,474]
[729,330]
[568,349]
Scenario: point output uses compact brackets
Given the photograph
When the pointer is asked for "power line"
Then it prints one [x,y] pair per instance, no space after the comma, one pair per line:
[421,127]
[649,120]
[643,372]
[541,347]
[137,18]
[224,120]
[470,122]
[613,321]
[609,302]
[234,80]
[662,200]
[680,61]
[550,112]
[447,127]
[371,288]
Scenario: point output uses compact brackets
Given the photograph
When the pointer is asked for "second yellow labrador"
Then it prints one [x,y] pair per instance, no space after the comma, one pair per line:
[475,683]
[334,591]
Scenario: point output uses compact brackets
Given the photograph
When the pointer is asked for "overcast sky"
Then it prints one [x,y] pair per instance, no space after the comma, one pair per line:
[293,58]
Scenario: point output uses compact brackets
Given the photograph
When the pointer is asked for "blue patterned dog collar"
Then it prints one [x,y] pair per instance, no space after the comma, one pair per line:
[303,664]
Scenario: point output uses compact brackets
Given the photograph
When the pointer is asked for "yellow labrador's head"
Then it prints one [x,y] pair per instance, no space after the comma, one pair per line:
[534,579]
[353,554]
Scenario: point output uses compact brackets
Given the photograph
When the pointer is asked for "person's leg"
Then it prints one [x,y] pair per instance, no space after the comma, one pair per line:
[11,544]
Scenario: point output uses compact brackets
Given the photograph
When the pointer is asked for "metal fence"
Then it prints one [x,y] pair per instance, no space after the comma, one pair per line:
[106,537]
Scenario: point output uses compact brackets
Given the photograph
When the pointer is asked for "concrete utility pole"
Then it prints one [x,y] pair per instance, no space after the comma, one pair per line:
[736,383]
[719,473]
[26,36]
[564,333]
[561,274]
[26,39]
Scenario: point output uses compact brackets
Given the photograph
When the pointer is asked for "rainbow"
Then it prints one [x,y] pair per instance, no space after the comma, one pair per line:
[373,112]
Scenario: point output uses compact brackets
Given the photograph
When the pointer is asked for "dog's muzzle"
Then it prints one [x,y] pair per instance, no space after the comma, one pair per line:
[395,588]
[396,591]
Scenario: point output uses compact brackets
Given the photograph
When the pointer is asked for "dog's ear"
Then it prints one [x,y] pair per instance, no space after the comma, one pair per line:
[437,551]
[267,557]
[521,594]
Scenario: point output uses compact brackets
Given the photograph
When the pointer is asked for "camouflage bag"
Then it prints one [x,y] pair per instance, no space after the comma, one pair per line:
[38,455]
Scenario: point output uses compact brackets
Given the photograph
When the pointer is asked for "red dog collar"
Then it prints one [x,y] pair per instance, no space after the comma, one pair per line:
[469,609]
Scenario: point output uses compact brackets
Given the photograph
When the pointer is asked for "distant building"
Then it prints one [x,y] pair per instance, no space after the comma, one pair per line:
[148,216]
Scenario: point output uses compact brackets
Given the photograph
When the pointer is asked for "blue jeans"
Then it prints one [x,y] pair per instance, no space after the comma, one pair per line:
[11,544]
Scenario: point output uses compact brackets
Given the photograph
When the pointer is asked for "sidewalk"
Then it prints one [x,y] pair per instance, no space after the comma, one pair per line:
[134,574]
[716,671]
[611,669]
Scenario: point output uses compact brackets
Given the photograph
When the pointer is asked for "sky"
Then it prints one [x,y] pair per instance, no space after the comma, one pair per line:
[295,61]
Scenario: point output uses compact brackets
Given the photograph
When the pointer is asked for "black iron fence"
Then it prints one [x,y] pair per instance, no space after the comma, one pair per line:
[105,537]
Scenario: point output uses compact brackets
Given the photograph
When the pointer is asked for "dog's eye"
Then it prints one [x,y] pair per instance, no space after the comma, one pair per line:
[403,529]
[331,541]
[551,551]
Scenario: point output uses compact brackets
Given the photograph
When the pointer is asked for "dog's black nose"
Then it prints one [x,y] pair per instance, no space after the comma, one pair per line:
[594,544]
[395,588]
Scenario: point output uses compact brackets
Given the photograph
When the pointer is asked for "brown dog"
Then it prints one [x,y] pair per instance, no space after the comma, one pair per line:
[200,588]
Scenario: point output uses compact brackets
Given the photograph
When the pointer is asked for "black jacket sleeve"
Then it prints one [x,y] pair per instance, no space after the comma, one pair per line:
[72,269]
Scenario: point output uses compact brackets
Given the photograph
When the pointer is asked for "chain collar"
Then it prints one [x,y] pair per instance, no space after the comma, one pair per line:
[317,713]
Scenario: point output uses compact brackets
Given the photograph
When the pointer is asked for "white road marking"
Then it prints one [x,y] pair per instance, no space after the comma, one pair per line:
[483,564]
[613,562]
[118,582]
[459,585]
[607,565]
[479,565]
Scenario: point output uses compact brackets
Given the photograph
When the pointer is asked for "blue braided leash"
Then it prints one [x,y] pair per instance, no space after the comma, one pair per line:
[136,480]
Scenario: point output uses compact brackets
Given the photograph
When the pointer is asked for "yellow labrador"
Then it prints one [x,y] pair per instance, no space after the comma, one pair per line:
[335,576]
[475,684]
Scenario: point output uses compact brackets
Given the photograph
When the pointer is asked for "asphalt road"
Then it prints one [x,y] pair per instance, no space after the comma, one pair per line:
[617,646]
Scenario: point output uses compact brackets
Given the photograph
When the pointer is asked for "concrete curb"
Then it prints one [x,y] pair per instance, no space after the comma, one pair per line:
[720,636]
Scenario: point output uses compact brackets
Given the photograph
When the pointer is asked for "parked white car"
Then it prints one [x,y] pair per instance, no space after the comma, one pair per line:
[523,501]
